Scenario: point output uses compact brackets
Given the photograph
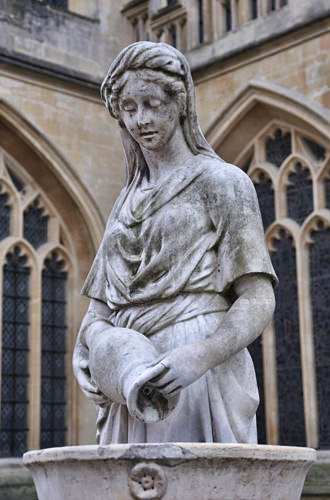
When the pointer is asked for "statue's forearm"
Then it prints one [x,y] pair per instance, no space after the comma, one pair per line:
[244,321]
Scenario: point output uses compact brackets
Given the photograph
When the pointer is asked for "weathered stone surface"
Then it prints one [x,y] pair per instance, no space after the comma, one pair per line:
[178,471]
[182,266]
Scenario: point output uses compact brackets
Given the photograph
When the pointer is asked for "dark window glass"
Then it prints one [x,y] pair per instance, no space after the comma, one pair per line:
[201,21]
[327,191]
[247,164]
[255,350]
[228,15]
[272,4]
[254,9]
[19,185]
[288,360]
[15,352]
[319,262]
[173,35]
[35,225]
[4,216]
[171,2]
[284,2]
[265,194]
[63,4]
[279,148]
[317,151]
[53,349]
[300,194]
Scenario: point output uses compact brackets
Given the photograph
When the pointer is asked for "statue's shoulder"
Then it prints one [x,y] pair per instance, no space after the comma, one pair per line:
[224,177]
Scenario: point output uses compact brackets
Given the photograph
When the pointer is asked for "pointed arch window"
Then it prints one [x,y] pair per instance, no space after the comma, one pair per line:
[15,355]
[288,360]
[319,264]
[33,377]
[53,352]
[300,193]
[290,170]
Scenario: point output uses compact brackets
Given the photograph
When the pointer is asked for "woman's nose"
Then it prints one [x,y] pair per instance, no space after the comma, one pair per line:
[143,117]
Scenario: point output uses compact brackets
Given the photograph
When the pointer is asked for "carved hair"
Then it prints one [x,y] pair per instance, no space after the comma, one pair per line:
[163,64]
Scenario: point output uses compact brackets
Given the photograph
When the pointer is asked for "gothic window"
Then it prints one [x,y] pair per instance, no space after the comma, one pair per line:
[300,193]
[317,151]
[30,280]
[201,21]
[254,9]
[278,148]
[228,15]
[62,4]
[265,193]
[319,263]
[255,350]
[35,225]
[327,189]
[53,349]
[288,362]
[4,215]
[15,355]
[290,172]
[173,35]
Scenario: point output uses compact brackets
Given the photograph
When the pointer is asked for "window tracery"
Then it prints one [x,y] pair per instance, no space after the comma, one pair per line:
[299,193]
[15,353]
[288,360]
[319,264]
[34,298]
[265,192]
[278,148]
[293,191]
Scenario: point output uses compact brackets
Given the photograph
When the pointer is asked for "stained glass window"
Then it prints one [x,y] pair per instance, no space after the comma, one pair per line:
[266,200]
[18,183]
[255,350]
[228,15]
[15,352]
[327,191]
[4,216]
[53,377]
[35,225]
[300,194]
[279,148]
[319,264]
[316,149]
[288,360]
[247,164]
[173,35]
[254,9]
[63,4]
[201,21]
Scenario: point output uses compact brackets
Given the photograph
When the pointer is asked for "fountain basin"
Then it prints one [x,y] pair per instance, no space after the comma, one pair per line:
[172,471]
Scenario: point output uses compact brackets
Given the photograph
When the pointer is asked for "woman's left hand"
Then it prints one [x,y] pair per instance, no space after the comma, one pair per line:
[179,368]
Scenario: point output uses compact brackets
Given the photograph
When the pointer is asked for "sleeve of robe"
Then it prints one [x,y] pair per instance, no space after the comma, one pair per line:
[235,212]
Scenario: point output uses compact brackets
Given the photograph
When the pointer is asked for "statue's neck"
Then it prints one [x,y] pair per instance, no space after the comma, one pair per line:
[168,158]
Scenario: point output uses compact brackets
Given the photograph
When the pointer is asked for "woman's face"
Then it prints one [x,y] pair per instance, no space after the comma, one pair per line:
[150,115]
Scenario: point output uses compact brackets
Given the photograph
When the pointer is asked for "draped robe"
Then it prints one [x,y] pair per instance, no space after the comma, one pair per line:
[169,257]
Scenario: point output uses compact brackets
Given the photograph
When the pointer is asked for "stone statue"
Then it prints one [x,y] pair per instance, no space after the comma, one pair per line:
[182,282]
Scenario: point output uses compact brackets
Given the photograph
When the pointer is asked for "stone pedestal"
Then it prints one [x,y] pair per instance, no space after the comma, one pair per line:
[172,471]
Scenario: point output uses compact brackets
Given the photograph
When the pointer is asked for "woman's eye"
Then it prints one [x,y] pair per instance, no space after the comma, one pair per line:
[154,103]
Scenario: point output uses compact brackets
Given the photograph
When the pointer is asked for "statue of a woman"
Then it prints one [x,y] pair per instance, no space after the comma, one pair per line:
[182,282]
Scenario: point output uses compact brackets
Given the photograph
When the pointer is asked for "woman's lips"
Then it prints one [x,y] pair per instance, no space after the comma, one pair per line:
[148,135]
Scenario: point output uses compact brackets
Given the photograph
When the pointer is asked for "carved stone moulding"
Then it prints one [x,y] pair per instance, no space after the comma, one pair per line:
[170,471]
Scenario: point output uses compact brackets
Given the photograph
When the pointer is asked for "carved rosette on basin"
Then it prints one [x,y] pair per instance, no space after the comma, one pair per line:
[147,481]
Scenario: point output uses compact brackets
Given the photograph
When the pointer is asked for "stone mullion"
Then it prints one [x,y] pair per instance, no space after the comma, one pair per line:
[307,346]
[234,14]
[270,384]
[35,356]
